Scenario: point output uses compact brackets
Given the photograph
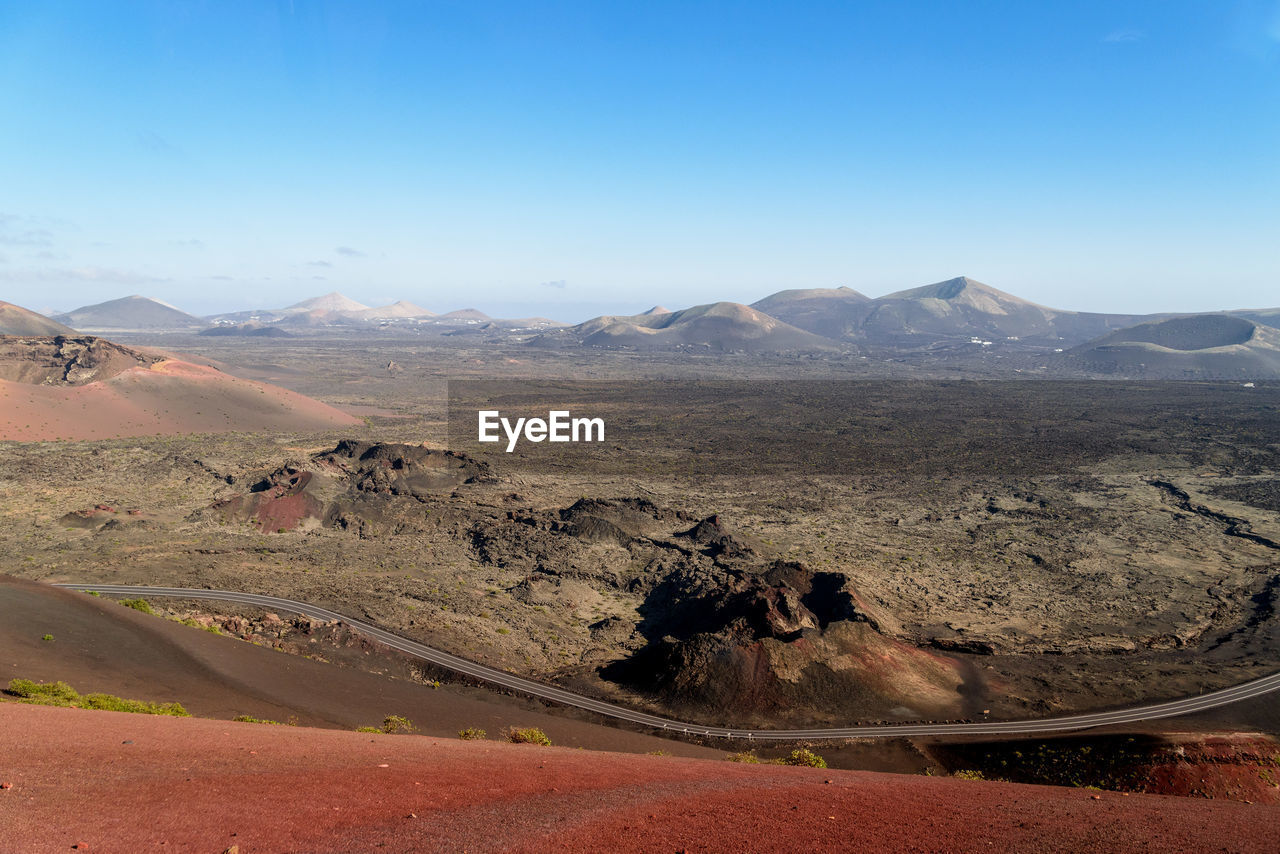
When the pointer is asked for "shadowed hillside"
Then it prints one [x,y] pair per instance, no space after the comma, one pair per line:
[1202,346]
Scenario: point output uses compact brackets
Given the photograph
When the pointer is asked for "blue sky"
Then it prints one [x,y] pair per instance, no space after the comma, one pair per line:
[576,158]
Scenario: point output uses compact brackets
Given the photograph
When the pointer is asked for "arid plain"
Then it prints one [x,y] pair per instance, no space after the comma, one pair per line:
[954,548]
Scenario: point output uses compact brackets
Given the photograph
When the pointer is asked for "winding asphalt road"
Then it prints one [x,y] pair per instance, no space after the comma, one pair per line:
[1150,712]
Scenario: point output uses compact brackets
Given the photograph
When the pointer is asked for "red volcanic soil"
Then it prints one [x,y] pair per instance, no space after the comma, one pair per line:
[109,781]
[281,507]
[1219,765]
[169,396]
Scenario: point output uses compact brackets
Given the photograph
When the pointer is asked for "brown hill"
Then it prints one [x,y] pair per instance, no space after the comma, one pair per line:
[400,309]
[16,320]
[1200,346]
[89,388]
[329,302]
[716,327]
[830,312]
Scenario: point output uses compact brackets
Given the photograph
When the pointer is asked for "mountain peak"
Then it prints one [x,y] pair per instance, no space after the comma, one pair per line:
[134,312]
[333,301]
[961,289]
[797,296]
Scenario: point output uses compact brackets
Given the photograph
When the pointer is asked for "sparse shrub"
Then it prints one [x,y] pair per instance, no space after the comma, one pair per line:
[804,757]
[111,703]
[138,605]
[658,753]
[44,693]
[747,757]
[527,735]
[62,694]
[471,734]
[47,638]
[968,774]
[368,729]
[395,723]
[249,719]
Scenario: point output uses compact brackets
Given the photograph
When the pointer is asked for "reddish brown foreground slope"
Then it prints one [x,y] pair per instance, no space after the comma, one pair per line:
[100,645]
[89,388]
[117,782]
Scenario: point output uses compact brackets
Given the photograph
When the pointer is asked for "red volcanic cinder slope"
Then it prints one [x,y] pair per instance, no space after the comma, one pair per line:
[116,782]
[89,388]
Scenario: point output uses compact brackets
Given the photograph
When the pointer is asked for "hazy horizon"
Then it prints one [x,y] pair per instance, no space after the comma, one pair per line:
[575,159]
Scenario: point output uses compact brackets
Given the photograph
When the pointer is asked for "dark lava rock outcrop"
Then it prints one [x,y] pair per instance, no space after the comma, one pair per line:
[719,627]
[362,486]
[380,468]
[780,643]
[714,540]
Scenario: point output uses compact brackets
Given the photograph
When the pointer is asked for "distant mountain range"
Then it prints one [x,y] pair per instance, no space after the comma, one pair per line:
[721,326]
[333,309]
[952,320]
[337,311]
[952,311]
[952,317]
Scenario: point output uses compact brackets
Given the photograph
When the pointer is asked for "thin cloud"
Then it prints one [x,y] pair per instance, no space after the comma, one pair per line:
[561,284]
[319,264]
[23,231]
[193,243]
[1123,36]
[80,274]
[349,252]
[27,237]
[30,231]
